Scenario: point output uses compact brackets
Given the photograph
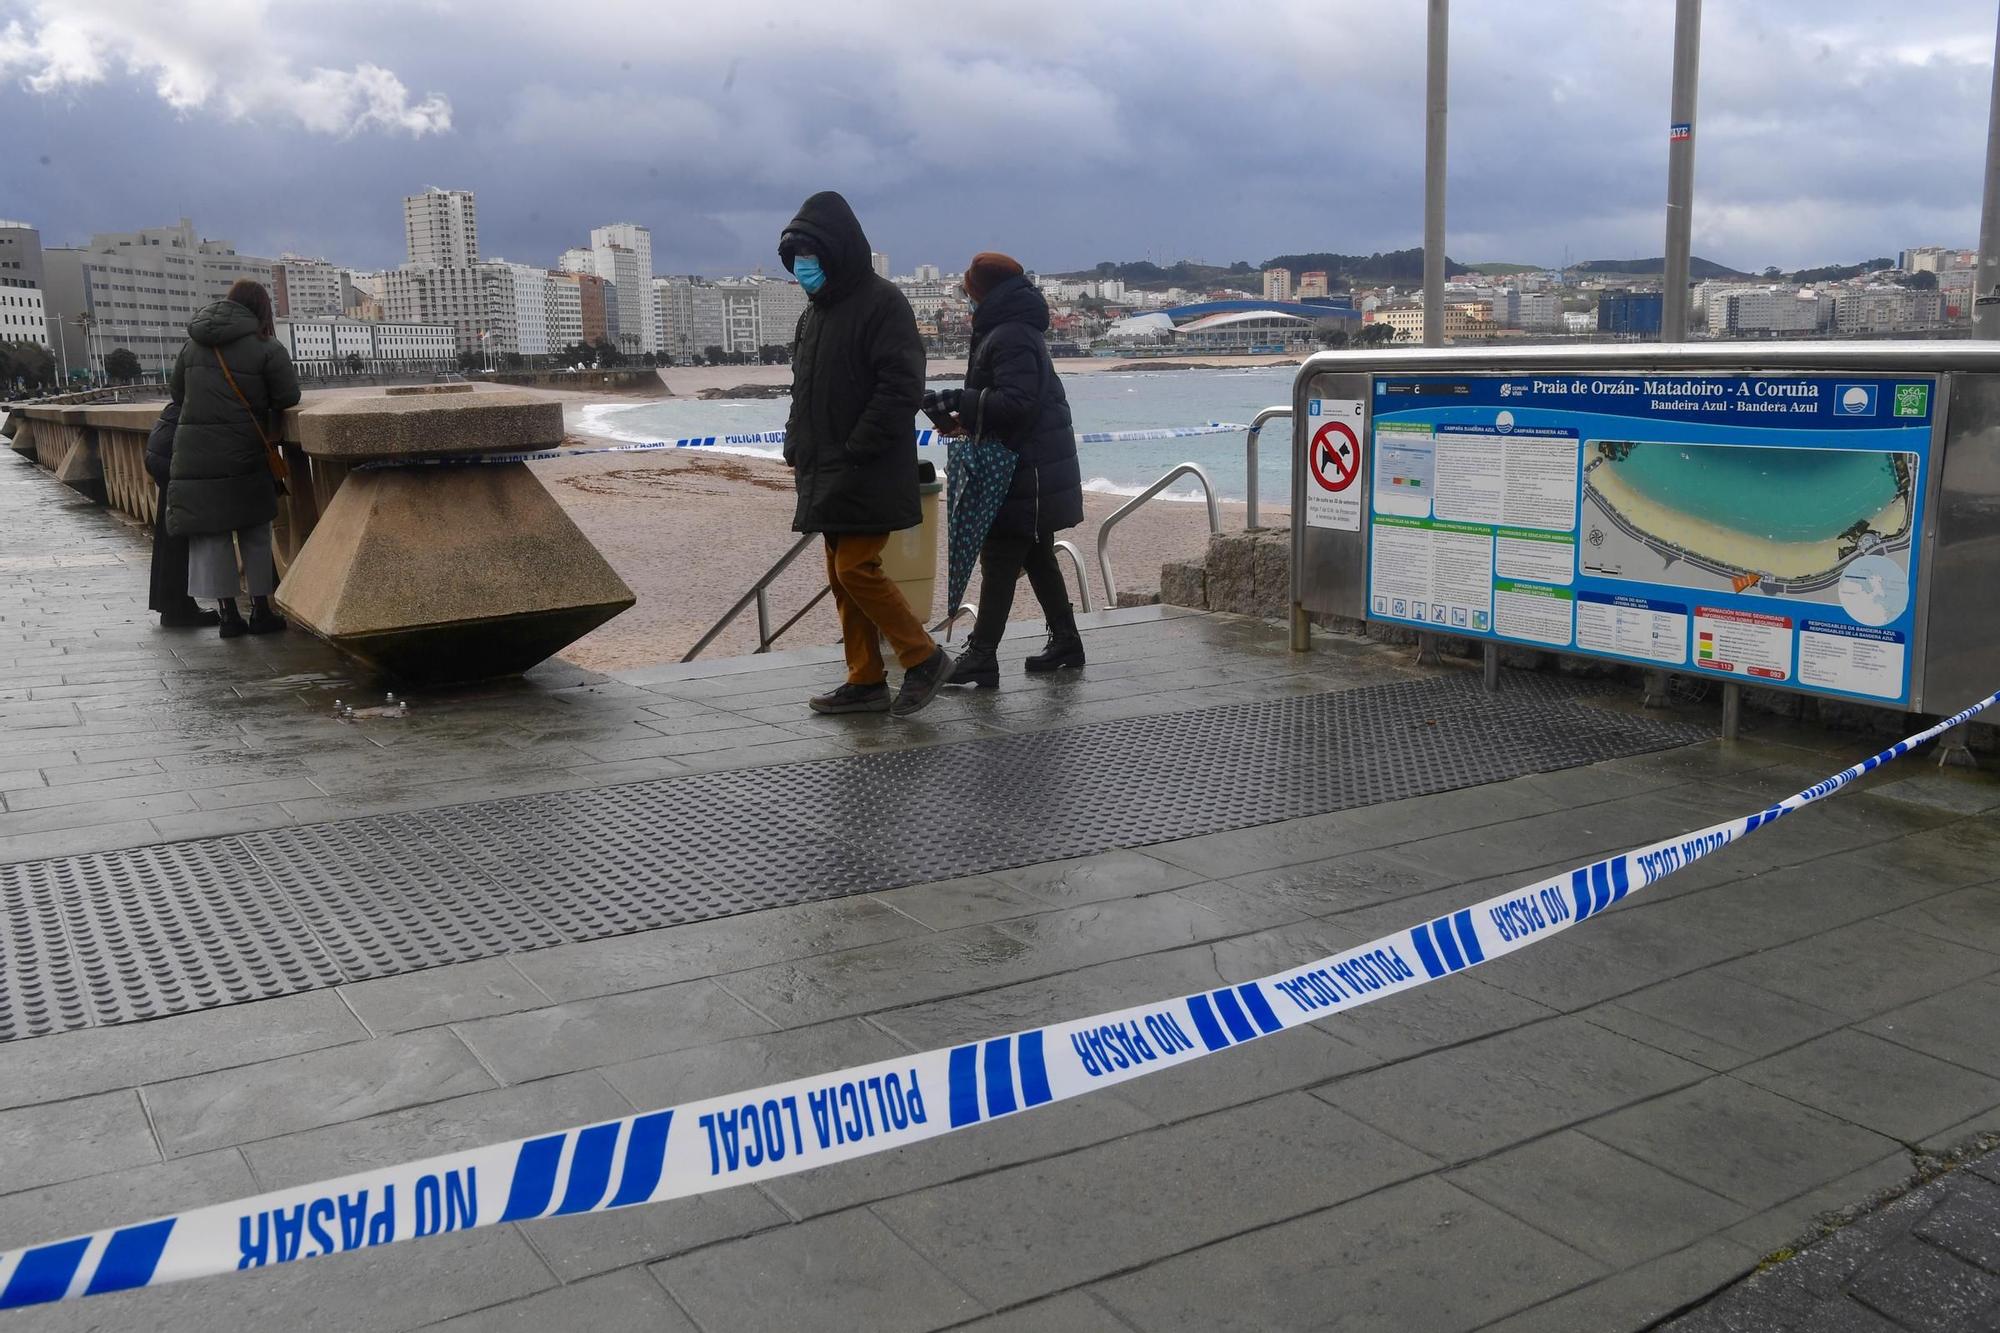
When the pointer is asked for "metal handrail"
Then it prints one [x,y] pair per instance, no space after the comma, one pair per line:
[1250,460]
[1075,554]
[758,594]
[1104,529]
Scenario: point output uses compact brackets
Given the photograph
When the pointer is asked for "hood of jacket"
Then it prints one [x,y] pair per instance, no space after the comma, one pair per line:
[828,222]
[223,323]
[1012,301]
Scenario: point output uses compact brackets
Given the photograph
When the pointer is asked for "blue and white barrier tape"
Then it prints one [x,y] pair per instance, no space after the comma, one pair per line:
[926,438]
[811,1122]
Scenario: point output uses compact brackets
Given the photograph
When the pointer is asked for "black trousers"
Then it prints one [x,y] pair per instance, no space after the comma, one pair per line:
[1001,561]
[170,566]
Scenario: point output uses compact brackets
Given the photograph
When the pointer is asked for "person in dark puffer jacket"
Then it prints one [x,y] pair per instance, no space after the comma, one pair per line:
[221,495]
[851,442]
[1012,393]
[169,592]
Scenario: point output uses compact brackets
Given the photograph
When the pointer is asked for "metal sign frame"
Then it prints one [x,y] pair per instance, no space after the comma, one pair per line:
[1959,495]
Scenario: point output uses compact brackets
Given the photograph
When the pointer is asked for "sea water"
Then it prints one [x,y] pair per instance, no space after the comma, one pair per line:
[1785,495]
[1099,401]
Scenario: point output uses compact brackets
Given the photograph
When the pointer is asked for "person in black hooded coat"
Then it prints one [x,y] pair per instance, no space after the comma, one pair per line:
[169,592]
[851,442]
[1013,394]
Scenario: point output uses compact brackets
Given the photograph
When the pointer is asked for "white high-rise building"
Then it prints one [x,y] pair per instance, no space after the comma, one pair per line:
[577,259]
[454,296]
[1541,312]
[879,262]
[926,273]
[441,228]
[1277,284]
[517,313]
[307,288]
[23,313]
[625,257]
[562,310]
[733,316]
[138,290]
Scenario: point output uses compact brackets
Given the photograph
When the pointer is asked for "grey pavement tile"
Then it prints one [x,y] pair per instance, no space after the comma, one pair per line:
[1968,916]
[371,1291]
[1460,1009]
[1955,1025]
[87,814]
[949,904]
[579,1246]
[710,948]
[1863,969]
[1714,1009]
[1046,1133]
[907,972]
[1960,791]
[1571,835]
[116,1198]
[1922,1286]
[742,1063]
[1039,1228]
[1800,1220]
[1090,879]
[1608,1204]
[612,1029]
[847,1271]
[1421,1255]
[58,1141]
[1071,1312]
[1890,1089]
[1967,1220]
[20,780]
[1638,1296]
[306,1091]
[124,1055]
[449,994]
[1742,1142]
[1476,1098]
[72,841]
[1343,883]
[218,823]
[263,792]
[625,1302]
[366,1142]
[1250,1072]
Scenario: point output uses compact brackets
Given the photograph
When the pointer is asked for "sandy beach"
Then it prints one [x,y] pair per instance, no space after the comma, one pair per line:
[1785,560]
[691,531]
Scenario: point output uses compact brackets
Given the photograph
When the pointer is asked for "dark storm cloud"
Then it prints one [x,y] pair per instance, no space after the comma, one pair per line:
[1063,132]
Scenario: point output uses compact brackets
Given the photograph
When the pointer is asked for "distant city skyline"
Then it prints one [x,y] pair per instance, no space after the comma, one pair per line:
[1829,130]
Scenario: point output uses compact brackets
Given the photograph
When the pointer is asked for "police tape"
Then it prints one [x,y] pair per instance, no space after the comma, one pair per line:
[773,1131]
[764,439]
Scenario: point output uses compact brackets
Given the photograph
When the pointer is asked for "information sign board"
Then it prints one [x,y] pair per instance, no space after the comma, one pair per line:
[1758,528]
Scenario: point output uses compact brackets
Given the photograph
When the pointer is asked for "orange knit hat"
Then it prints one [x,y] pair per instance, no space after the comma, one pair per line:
[988,269]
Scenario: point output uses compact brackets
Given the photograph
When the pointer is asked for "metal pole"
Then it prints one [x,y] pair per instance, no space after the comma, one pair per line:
[1986,295]
[1680,170]
[1732,711]
[1434,109]
[1489,667]
[1250,478]
[763,620]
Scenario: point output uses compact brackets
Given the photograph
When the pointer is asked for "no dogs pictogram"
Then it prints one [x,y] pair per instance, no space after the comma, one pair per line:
[1335,456]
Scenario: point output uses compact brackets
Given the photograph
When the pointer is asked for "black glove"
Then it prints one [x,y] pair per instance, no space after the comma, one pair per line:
[950,399]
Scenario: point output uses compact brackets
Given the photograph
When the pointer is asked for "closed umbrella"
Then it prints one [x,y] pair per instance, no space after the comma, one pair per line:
[977,473]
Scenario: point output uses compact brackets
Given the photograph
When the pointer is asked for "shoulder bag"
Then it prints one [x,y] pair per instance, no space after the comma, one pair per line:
[280,473]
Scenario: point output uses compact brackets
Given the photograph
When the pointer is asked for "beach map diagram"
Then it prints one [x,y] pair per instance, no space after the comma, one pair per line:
[1758,527]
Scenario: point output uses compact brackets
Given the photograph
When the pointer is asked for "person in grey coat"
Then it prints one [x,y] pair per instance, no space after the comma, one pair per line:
[233,380]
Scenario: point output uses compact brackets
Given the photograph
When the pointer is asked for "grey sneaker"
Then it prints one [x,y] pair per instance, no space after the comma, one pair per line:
[921,682]
[852,699]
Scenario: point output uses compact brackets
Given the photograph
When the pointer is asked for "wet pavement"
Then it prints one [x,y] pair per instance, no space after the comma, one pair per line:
[1588,1135]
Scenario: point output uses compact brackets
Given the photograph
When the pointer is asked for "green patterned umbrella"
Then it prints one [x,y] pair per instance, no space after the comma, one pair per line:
[977,474]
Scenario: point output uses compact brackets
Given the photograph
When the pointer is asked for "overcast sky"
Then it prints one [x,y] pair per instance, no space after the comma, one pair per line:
[1062,131]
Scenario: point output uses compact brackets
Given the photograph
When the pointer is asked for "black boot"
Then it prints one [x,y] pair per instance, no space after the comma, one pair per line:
[976,666]
[1065,645]
[263,620]
[188,614]
[232,620]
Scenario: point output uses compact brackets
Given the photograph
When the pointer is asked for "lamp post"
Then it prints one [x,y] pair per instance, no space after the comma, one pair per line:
[1680,170]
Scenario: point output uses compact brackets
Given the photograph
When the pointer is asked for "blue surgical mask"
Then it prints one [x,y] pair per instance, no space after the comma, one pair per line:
[810,275]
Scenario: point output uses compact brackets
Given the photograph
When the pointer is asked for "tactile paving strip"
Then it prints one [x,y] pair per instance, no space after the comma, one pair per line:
[116,936]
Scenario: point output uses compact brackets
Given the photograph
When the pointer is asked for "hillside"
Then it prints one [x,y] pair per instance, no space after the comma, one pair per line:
[1699,269]
[1402,268]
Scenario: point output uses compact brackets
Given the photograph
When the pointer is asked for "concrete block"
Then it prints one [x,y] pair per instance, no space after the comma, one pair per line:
[426,420]
[1229,573]
[1137,597]
[1271,574]
[1182,584]
[442,574]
